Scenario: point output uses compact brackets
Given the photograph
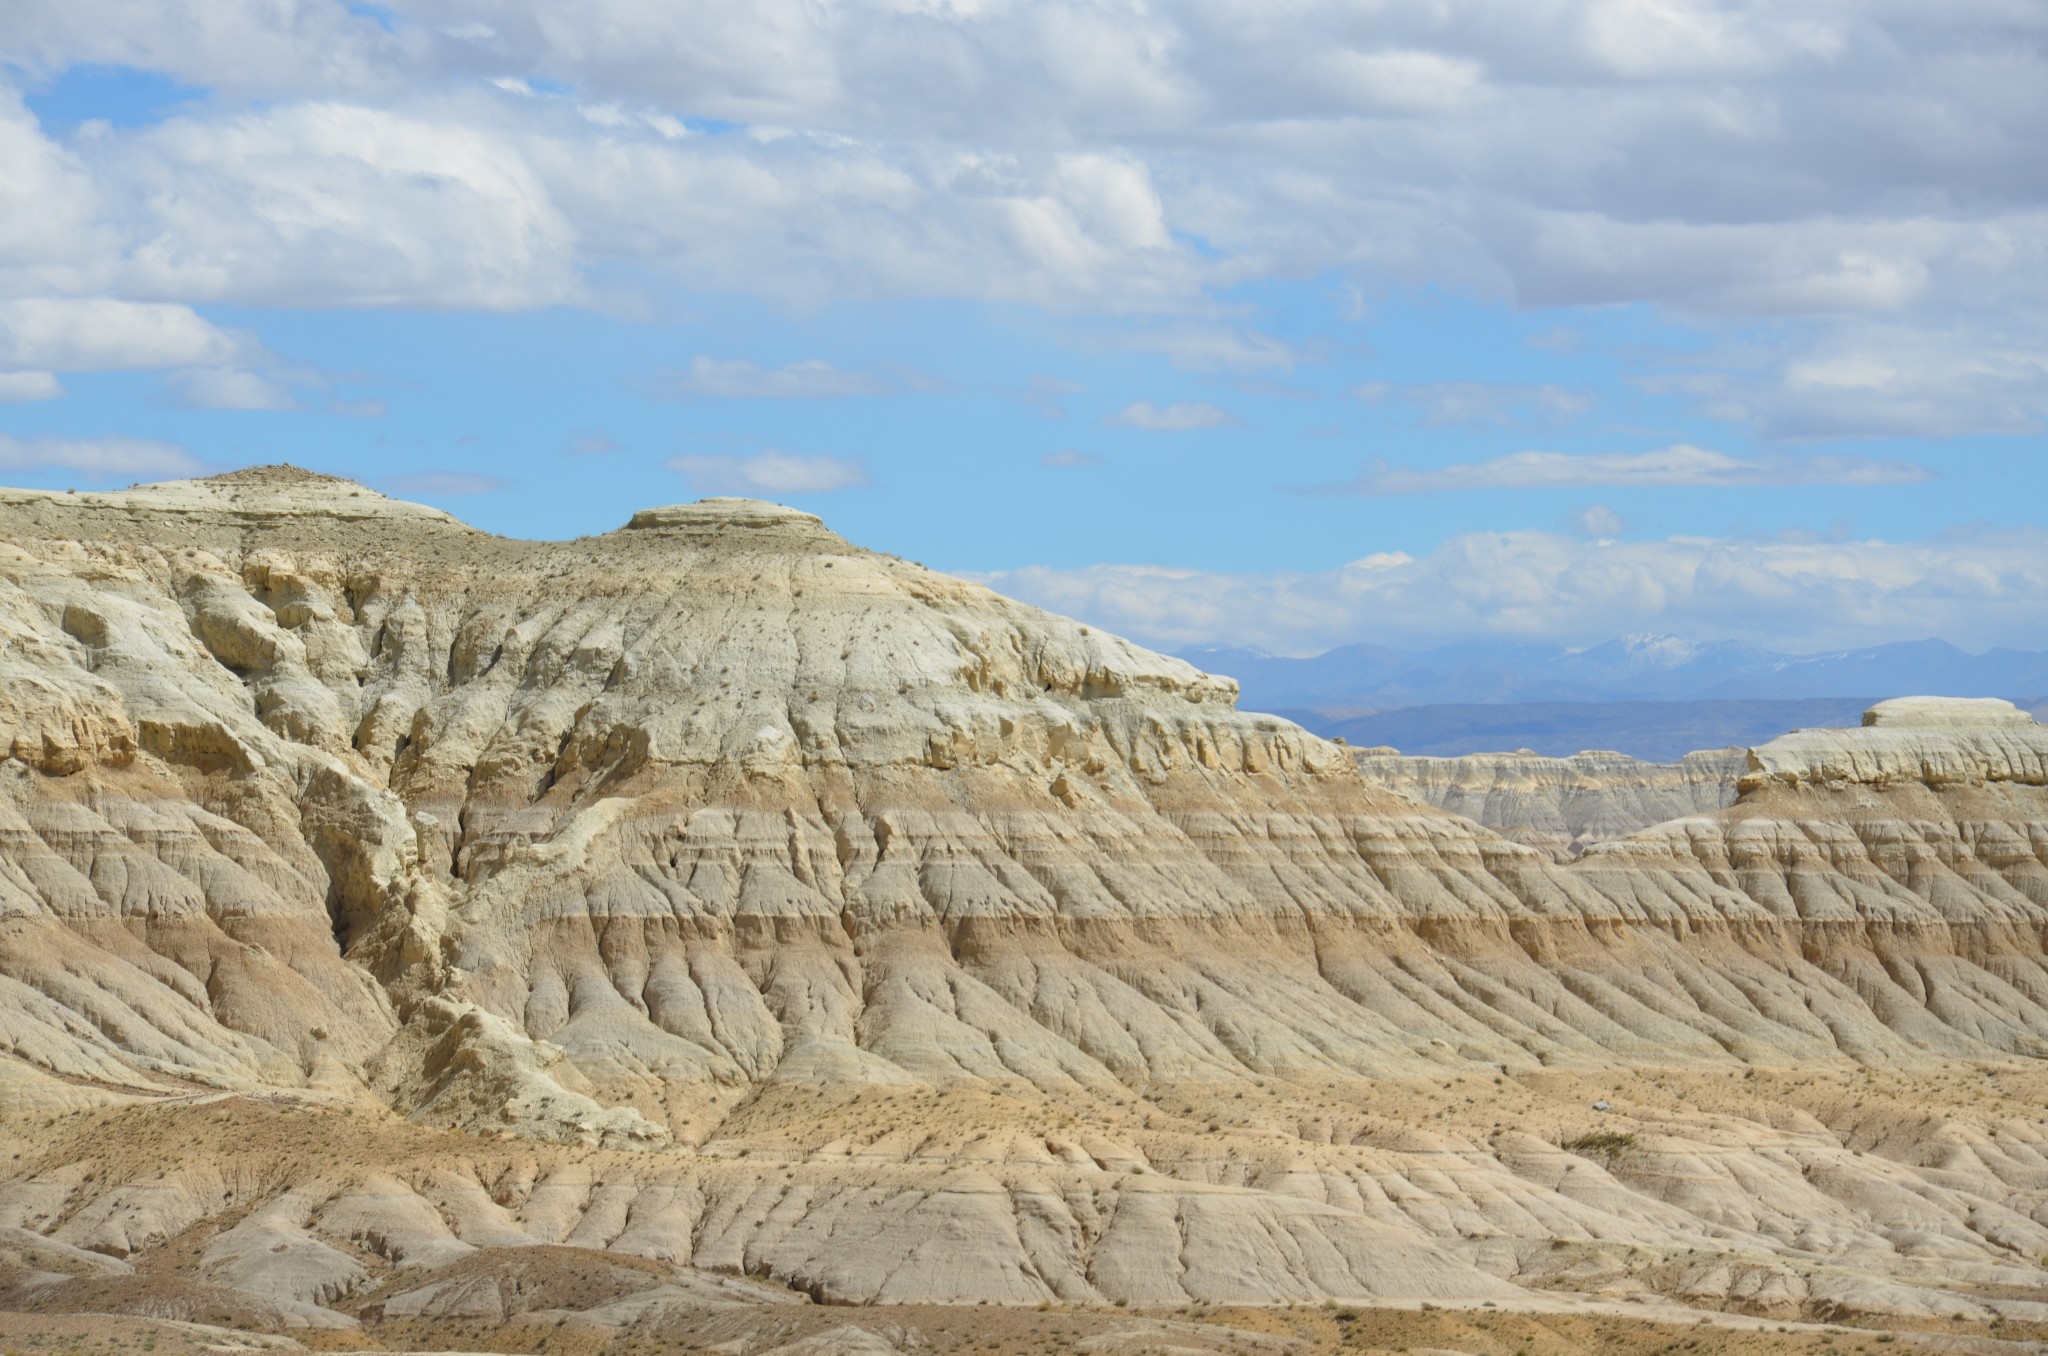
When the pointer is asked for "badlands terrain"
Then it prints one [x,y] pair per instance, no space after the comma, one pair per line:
[1562,806]
[416,939]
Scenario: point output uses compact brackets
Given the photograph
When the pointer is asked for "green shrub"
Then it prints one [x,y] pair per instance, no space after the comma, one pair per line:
[1608,1143]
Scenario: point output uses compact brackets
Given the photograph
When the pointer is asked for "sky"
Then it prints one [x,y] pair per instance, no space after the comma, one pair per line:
[1273,323]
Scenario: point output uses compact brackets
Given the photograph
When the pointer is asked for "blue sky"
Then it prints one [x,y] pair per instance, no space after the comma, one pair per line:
[1398,322]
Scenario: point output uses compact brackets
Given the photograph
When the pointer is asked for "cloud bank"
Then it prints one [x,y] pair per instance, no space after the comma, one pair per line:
[1973,588]
[98,334]
[1866,179]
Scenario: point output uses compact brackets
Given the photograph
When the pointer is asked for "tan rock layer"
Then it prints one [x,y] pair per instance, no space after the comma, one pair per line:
[1561,806]
[891,941]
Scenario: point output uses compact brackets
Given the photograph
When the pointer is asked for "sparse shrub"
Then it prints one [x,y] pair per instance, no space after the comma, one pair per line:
[1607,1143]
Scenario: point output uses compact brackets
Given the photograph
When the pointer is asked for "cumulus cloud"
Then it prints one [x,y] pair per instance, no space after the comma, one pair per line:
[102,334]
[1198,347]
[1678,465]
[16,387]
[256,47]
[1595,520]
[738,379]
[1445,404]
[1182,418]
[1829,169]
[1877,381]
[325,203]
[1580,148]
[99,458]
[1975,587]
[769,472]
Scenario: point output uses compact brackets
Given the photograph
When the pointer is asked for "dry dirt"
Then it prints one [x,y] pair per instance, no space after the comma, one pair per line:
[942,1330]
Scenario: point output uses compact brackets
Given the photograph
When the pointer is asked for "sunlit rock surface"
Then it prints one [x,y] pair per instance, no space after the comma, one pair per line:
[1561,806]
[737,913]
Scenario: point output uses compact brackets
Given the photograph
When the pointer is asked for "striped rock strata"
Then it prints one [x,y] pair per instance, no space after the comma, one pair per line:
[765,912]
[1561,806]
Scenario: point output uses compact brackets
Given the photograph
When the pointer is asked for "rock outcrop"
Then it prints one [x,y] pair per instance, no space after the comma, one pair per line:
[1915,740]
[1561,806]
[378,896]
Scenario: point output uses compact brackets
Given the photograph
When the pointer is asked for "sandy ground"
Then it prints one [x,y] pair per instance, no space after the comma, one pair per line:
[939,1331]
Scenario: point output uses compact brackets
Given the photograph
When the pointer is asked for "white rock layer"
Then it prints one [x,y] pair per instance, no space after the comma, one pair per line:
[804,915]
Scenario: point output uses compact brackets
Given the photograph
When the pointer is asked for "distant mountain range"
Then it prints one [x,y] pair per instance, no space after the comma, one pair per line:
[1647,695]
[1660,732]
[1634,668]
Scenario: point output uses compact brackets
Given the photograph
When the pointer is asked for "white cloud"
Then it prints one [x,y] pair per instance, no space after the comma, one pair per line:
[1838,167]
[53,231]
[264,47]
[101,334]
[1587,149]
[1392,81]
[17,387]
[808,216]
[770,472]
[1877,381]
[736,378]
[1198,347]
[441,483]
[1678,465]
[1595,520]
[1182,418]
[229,388]
[1446,404]
[337,204]
[1978,587]
[1111,195]
[594,443]
[99,458]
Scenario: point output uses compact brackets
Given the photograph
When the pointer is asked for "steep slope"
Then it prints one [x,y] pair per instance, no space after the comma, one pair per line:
[1561,805]
[760,906]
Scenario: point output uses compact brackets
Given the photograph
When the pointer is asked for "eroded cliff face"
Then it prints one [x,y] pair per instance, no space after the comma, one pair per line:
[764,907]
[1561,806]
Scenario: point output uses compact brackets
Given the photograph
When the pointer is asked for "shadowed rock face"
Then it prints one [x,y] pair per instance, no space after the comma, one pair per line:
[763,906]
